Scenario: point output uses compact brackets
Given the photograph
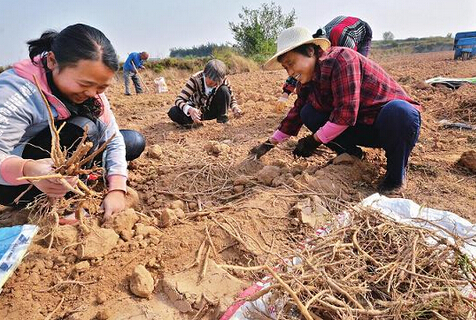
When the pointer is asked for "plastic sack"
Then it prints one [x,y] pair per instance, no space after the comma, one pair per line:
[161,86]
[14,242]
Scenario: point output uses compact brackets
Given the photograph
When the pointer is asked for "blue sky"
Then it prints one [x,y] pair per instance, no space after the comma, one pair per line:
[156,26]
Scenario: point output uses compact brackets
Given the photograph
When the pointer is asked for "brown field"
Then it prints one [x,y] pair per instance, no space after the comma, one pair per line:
[220,192]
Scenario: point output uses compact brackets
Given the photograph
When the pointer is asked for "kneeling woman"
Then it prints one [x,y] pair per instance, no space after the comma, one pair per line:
[73,68]
[207,95]
[346,100]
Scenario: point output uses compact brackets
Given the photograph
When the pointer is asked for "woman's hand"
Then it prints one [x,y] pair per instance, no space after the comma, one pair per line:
[51,187]
[237,112]
[114,202]
[195,114]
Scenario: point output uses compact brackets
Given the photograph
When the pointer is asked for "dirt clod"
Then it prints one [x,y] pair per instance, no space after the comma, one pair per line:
[267,174]
[468,160]
[132,199]
[103,314]
[65,235]
[98,243]
[82,266]
[101,298]
[155,152]
[123,222]
[217,148]
[177,204]
[141,282]
[344,158]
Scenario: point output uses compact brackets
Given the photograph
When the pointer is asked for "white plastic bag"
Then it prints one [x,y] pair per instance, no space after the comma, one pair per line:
[161,85]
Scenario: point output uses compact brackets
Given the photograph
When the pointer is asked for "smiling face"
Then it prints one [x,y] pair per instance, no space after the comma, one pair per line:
[79,82]
[299,66]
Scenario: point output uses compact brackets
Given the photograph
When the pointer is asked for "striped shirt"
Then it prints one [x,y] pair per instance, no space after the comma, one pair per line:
[348,32]
[193,94]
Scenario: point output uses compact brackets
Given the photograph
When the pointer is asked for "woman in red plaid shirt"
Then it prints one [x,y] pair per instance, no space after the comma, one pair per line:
[342,31]
[346,100]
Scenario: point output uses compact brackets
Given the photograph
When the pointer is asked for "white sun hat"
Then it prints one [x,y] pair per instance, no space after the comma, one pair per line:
[292,38]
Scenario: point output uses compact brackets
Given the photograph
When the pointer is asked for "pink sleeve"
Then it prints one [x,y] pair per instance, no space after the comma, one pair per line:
[11,168]
[117,182]
[279,136]
[329,131]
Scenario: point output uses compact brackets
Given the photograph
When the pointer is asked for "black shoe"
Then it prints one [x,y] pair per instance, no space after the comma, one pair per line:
[127,94]
[222,119]
[390,187]
[192,125]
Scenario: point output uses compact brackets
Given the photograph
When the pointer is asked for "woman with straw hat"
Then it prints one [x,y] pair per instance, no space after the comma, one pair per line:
[346,101]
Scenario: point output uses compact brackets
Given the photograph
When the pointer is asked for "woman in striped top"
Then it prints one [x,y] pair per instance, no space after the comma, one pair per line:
[207,95]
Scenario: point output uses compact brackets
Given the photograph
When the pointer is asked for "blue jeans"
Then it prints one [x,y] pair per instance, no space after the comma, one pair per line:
[396,130]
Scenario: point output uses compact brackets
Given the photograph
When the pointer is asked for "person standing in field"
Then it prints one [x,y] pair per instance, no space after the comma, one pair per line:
[134,63]
[342,31]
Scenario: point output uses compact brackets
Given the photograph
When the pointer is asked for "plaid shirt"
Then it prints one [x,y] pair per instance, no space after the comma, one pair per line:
[348,32]
[347,85]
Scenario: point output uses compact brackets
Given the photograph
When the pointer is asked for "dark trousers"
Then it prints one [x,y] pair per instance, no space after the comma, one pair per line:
[396,130]
[218,109]
[70,136]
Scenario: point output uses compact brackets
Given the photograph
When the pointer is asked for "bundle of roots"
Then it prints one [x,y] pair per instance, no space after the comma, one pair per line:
[375,268]
[67,163]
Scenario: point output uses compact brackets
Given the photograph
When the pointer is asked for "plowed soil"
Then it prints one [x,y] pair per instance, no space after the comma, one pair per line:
[195,181]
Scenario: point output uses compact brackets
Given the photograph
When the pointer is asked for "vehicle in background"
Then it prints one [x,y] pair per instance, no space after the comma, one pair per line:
[465,45]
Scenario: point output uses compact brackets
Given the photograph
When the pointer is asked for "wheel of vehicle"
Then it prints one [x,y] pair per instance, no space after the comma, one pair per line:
[465,56]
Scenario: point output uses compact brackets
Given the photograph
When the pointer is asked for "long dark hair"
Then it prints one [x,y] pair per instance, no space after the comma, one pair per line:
[74,43]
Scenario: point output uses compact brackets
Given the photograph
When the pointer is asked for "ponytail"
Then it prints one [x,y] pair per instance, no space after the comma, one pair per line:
[41,45]
[74,43]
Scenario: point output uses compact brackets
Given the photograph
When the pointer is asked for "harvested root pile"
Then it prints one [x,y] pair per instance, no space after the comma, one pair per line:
[67,163]
[375,267]
[458,105]
[205,182]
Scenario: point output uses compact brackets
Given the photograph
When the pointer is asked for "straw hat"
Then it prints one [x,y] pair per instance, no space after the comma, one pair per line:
[292,38]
